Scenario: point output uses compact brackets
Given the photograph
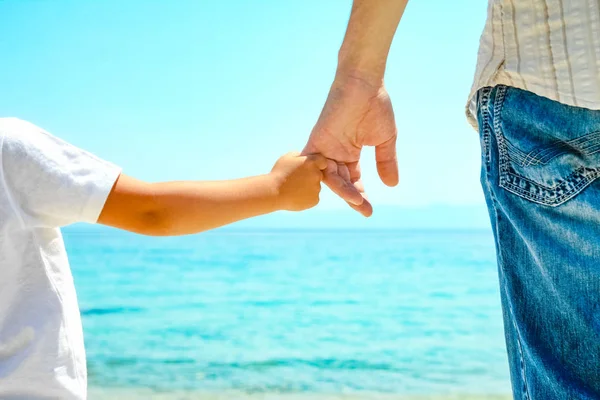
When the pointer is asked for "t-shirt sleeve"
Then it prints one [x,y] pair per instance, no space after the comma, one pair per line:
[52,183]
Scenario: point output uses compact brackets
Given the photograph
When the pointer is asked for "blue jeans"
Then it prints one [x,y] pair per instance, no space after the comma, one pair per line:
[540,164]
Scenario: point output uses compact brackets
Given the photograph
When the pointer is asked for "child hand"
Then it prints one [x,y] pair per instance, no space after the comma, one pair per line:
[298,180]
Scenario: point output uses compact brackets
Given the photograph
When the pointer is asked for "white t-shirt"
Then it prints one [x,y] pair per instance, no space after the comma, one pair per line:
[45,183]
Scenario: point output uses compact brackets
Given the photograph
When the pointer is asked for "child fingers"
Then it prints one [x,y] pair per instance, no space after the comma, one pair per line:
[316,198]
[318,176]
[319,160]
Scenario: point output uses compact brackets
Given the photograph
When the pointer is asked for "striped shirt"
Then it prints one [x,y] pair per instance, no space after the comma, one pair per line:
[548,47]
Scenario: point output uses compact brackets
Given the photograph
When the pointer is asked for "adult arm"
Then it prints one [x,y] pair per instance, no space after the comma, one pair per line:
[358,111]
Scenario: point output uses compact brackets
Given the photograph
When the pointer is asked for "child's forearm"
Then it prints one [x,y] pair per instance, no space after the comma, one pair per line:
[191,207]
[180,208]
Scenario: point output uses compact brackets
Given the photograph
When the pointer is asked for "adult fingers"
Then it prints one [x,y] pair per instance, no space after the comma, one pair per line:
[360,187]
[344,172]
[354,169]
[387,162]
[366,209]
[340,186]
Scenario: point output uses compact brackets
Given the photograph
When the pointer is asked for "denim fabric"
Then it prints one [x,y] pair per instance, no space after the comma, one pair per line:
[540,164]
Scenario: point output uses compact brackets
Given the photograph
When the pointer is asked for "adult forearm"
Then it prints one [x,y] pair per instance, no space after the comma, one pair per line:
[368,38]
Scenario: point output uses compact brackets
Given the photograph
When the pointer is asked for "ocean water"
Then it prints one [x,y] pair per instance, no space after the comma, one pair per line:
[289,313]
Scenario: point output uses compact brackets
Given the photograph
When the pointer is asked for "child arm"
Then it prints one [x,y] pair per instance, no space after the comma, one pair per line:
[179,208]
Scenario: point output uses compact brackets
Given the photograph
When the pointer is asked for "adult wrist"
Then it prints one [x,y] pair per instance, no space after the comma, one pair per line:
[353,74]
[356,83]
[362,67]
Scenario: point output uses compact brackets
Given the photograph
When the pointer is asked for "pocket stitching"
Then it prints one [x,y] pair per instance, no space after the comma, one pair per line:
[518,155]
[498,105]
[582,144]
[485,95]
[551,199]
[583,176]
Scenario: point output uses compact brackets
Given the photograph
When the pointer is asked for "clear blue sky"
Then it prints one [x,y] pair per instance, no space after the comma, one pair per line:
[176,90]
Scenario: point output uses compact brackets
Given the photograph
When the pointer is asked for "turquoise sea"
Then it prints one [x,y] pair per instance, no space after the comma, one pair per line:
[290,314]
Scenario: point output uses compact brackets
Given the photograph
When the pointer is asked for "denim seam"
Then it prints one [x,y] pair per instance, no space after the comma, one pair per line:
[596,150]
[583,144]
[585,138]
[537,157]
[587,177]
[525,389]
[498,103]
[485,104]
[503,161]
[571,185]
[519,156]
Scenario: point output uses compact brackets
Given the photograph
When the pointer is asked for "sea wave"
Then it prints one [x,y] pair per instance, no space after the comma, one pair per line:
[110,310]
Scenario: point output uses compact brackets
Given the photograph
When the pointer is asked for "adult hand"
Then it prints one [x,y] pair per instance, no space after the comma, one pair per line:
[357,113]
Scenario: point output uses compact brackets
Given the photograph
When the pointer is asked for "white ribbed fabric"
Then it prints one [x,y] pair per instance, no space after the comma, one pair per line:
[548,47]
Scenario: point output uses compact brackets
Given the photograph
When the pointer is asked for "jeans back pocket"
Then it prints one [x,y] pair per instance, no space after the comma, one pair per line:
[548,152]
